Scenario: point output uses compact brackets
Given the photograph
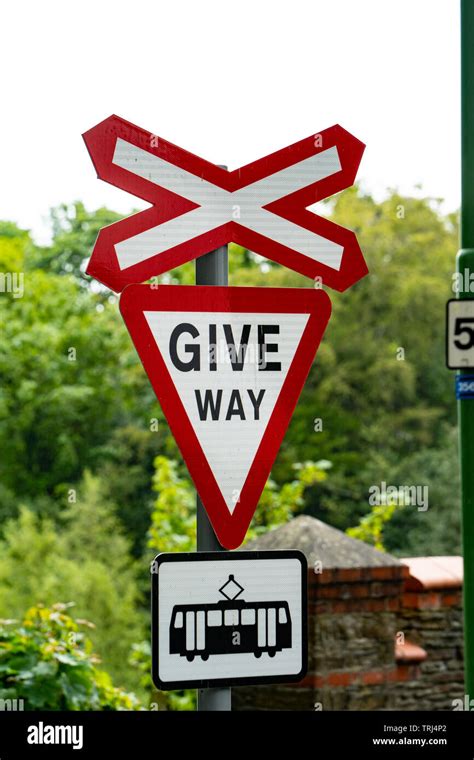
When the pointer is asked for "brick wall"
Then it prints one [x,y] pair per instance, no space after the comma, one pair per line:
[385,637]
[431,617]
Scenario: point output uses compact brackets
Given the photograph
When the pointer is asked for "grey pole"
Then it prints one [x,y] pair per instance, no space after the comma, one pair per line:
[211,269]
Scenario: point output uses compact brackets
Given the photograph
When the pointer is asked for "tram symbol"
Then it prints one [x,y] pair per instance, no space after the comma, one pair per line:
[230,626]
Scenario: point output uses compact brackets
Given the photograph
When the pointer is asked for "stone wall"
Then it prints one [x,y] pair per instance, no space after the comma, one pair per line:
[387,635]
[431,618]
[352,617]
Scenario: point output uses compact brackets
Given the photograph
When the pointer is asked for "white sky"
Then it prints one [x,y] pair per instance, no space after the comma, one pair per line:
[229,80]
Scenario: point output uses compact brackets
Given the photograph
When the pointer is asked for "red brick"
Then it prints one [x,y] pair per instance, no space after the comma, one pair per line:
[451,600]
[370,678]
[321,579]
[375,605]
[351,575]
[339,679]
[385,573]
[410,600]
[393,589]
[406,673]
[360,590]
[422,600]
[357,605]
[374,677]
[329,592]
[378,589]
[431,600]
[338,607]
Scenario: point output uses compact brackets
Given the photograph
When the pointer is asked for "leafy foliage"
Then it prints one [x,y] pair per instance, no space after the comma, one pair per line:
[436,531]
[86,561]
[173,520]
[74,233]
[76,414]
[47,662]
[277,504]
[185,699]
[371,526]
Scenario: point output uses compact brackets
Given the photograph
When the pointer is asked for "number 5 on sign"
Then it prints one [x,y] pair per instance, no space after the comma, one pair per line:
[460,334]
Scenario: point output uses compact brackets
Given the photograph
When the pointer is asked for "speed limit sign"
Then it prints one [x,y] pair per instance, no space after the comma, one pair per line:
[460,334]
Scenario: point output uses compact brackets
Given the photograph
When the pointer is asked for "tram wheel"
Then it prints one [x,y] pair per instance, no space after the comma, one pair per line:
[190,657]
[205,657]
[257,654]
[271,652]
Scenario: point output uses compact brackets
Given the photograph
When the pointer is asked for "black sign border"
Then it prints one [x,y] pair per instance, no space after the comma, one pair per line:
[466,367]
[217,556]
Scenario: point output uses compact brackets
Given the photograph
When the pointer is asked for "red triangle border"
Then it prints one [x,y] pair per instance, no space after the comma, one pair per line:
[136,299]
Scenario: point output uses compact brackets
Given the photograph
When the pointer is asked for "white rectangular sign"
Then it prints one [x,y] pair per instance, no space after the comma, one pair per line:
[460,334]
[228,618]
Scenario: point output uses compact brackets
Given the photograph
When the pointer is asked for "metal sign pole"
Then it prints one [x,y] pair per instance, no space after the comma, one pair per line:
[465,261]
[211,269]
[182,234]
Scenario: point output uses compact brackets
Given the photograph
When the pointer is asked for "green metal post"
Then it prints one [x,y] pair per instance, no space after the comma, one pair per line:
[465,265]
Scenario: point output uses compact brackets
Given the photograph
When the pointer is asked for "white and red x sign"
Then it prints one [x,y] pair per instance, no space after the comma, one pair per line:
[198,206]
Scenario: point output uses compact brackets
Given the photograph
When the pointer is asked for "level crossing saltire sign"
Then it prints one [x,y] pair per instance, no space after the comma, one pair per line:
[197,206]
[224,619]
[227,365]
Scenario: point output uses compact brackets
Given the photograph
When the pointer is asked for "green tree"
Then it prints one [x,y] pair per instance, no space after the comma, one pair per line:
[66,377]
[126,470]
[173,520]
[74,232]
[434,528]
[87,562]
[47,662]
[371,526]
[378,385]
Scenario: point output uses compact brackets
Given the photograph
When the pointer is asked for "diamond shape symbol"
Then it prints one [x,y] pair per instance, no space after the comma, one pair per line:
[231,589]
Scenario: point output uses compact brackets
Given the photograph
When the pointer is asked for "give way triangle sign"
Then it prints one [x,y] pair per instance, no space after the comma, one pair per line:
[227,365]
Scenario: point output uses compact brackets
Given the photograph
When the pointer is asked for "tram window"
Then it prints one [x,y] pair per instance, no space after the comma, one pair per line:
[282,615]
[248,617]
[178,621]
[231,617]
[214,618]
